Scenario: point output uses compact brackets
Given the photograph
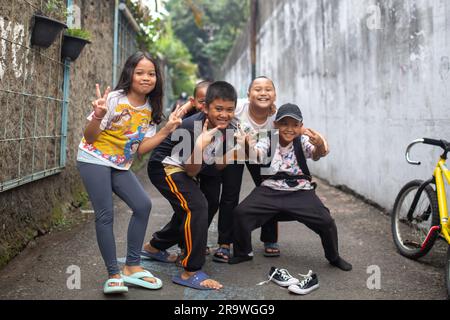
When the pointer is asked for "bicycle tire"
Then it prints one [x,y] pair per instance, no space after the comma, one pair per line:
[447,273]
[408,248]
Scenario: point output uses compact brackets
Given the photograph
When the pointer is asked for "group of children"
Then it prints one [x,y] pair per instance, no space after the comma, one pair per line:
[197,165]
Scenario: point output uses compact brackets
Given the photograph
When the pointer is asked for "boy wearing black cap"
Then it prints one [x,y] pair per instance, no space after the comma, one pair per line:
[287,192]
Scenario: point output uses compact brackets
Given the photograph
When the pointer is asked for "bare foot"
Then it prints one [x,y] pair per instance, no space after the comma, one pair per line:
[148,247]
[208,283]
[129,270]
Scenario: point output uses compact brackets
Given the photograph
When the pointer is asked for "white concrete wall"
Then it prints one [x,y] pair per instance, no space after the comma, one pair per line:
[371,77]
[237,68]
[241,75]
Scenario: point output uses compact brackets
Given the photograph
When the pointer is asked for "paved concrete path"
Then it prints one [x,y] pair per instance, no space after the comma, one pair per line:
[364,238]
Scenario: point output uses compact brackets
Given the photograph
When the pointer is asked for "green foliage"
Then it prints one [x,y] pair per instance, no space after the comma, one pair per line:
[177,56]
[209,28]
[80,33]
[55,8]
[151,26]
[80,199]
[158,38]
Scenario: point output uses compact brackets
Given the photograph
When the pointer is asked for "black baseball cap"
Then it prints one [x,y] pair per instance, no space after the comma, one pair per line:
[289,110]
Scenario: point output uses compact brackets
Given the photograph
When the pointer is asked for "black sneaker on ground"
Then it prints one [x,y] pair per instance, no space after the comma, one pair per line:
[309,283]
[281,277]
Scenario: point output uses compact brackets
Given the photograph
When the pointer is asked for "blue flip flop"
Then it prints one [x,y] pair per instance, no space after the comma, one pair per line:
[219,255]
[194,281]
[161,256]
[137,280]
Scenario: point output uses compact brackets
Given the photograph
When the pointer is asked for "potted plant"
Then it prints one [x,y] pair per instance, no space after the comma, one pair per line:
[46,24]
[74,41]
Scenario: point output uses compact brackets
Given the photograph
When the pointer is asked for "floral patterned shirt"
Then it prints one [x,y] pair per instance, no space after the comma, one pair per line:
[285,161]
[124,127]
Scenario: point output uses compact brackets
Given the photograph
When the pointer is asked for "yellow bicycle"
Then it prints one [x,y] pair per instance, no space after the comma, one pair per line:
[420,211]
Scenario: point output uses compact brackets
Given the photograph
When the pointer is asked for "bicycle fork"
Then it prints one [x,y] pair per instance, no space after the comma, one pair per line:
[424,216]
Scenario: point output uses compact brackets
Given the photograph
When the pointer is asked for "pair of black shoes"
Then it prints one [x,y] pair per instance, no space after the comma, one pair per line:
[282,277]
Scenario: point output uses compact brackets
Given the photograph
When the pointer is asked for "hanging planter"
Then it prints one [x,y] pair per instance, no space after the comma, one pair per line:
[45,30]
[73,43]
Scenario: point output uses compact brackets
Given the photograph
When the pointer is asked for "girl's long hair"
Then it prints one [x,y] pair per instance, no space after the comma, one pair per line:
[156,96]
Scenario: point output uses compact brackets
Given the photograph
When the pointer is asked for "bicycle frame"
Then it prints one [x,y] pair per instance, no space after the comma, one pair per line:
[440,172]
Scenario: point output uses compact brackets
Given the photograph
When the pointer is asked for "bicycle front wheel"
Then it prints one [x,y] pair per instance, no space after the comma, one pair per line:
[410,234]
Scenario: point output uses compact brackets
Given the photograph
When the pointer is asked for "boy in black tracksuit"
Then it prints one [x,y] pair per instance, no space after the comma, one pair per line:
[287,193]
[219,187]
[173,167]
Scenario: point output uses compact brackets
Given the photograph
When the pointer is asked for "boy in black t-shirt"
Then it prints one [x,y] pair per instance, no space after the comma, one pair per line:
[172,168]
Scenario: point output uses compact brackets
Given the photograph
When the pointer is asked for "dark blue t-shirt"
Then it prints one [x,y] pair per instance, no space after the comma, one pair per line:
[164,150]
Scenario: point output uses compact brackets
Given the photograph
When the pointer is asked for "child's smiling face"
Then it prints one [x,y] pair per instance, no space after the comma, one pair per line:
[144,77]
[289,129]
[220,113]
[262,93]
[200,98]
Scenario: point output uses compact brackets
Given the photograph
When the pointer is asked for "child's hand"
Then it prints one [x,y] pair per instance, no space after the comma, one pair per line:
[314,137]
[185,108]
[99,105]
[244,142]
[251,141]
[175,119]
[207,135]
[320,144]
[241,138]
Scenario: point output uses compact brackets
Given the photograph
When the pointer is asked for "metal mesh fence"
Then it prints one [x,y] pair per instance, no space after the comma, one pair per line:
[31,100]
[127,43]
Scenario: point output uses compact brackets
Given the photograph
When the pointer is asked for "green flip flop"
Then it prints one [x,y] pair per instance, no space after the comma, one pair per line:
[108,289]
[137,280]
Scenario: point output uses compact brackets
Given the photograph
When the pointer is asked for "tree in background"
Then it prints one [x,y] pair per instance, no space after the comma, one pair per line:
[158,38]
[208,28]
[195,40]
[182,71]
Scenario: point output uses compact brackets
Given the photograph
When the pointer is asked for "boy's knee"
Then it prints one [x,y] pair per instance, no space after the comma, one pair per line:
[328,222]
[200,204]
[199,212]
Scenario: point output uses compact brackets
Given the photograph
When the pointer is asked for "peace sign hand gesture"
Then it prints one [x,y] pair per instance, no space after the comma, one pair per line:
[314,137]
[207,135]
[99,105]
[242,139]
[321,145]
[175,119]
